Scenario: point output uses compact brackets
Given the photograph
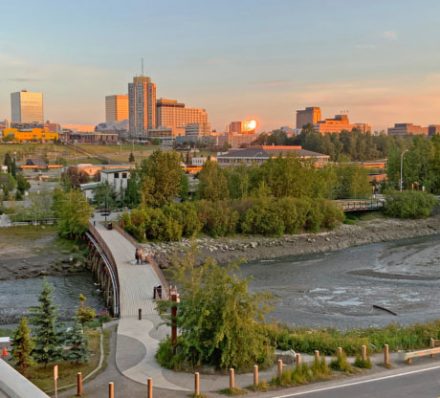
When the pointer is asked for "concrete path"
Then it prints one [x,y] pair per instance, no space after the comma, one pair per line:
[137,340]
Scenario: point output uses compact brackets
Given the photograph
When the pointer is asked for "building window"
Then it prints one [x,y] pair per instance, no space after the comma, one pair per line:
[124,175]
[116,175]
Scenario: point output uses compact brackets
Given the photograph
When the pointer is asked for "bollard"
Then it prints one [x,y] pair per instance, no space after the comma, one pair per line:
[231,379]
[256,376]
[197,384]
[279,367]
[298,359]
[386,355]
[364,353]
[339,352]
[150,387]
[79,384]
[140,313]
[432,345]
[111,390]
[317,356]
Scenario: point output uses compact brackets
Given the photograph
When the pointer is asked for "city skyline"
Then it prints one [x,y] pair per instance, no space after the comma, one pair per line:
[252,60]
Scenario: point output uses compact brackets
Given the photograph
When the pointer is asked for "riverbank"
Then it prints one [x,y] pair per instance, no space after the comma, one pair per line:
[248,248]
[32,251]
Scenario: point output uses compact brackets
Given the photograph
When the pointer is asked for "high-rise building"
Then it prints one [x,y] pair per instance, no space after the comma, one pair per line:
[141,105]
[27,107]
[116,108]
[310,115]
[174,115]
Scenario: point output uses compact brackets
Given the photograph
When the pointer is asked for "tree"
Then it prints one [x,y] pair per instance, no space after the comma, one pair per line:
[105,196]
[221,323]
[22,184]
[22,346]
[84,313]
[213,184]
[131,158]
[161,177]
[77,344]
[73,213]
[47,337]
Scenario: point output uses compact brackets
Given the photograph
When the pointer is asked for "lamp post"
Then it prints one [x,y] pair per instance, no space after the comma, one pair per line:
[401,169]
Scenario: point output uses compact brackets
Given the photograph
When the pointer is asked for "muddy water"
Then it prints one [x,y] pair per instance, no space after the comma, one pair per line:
[339,289]
[16,296]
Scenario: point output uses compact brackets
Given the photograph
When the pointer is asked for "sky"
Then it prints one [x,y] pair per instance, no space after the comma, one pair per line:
[264,59]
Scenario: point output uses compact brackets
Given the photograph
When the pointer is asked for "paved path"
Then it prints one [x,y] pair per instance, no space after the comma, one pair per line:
[137,340]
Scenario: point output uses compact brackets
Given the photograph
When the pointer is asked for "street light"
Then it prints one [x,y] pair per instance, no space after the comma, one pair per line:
[401,169]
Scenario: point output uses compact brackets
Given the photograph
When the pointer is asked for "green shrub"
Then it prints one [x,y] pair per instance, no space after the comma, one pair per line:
[186,215]
[362,363]
[314,218]
[263,218]
[340,363]
[332,214]
[409,204]
[217,218]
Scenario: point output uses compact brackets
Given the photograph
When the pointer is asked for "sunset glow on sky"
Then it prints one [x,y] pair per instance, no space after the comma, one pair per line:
[378,59]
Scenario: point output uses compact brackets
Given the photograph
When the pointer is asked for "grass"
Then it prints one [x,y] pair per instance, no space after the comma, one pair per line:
[29,232]
[42,376]
[233,391]
[6,332]
[362,363]
[340,363]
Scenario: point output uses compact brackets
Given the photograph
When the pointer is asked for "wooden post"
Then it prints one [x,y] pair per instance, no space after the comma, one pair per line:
[339,352]
[150,387]
[231,378]
[79,384]
[175,299]
[317,356]
[256,376]
[386,355]
[279,367]
[364,353]
[111,390]
[197,384]
[432,345]
[55,380]
[140,313]
[298,359]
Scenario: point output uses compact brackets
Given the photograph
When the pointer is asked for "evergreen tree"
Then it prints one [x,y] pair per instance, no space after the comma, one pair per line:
[47,337]
[77,343]
[131,158]
[22,346]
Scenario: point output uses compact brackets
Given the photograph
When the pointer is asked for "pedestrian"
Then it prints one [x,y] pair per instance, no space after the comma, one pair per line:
[136,255]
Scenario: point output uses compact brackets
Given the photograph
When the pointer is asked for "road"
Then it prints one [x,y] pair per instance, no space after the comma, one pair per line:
[420,382]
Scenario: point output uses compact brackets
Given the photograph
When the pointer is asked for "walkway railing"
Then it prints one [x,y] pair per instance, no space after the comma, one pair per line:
[351,205]
[110,263]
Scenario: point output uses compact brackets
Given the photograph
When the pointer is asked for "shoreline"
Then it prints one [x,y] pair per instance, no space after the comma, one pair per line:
[250,248]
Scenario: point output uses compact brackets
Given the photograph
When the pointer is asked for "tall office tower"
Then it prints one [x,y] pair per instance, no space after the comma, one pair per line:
[141,105]
[116,108]
[310,115]
[27,107]
[174,115]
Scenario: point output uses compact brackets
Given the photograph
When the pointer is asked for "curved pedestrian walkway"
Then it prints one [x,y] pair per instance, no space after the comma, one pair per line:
[137,340]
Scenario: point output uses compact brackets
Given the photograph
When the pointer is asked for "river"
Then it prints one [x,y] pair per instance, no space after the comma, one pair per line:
[17,296]
[338,289]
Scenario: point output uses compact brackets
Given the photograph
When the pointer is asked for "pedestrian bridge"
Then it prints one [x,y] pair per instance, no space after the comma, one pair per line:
[355,205]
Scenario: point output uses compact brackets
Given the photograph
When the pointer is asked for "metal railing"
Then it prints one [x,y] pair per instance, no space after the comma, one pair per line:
[360,204]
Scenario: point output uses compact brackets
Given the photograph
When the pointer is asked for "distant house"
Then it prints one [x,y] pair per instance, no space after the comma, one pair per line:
[116,178]
[260,154]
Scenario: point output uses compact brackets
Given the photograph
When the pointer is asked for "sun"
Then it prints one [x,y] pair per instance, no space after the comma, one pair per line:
[251,124]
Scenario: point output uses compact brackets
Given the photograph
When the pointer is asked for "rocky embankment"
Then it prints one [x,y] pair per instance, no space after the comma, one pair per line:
[248,248]
[27,252]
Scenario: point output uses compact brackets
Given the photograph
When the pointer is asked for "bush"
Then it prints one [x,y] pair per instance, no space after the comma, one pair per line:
[217,218]
[186,215]
[332,214]
[340,363]
[409,204]
[362,363]
[263,218]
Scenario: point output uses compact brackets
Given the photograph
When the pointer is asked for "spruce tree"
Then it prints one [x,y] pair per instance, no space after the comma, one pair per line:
[131,158]
[77,344]
[22,346]
[47,338]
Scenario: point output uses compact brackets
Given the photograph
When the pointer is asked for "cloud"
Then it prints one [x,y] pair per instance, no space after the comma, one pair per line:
[365,46]
[281,83]
[390,35]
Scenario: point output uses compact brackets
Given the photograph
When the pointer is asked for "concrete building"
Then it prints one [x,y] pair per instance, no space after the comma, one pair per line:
[433,129]
[116,108]
[27,107]
[30,135]
[116,178]
[174,115]
[260,154]
[336,125]
[310,115]
[403,129]
[73,137]
[197,129]
[362,127]
[237,140]
[243,127]
[141,105]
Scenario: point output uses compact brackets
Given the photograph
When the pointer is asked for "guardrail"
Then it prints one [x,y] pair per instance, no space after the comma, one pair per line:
[109,262]
[360,204]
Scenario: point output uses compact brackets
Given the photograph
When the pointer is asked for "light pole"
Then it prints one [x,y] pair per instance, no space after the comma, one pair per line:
[401,169]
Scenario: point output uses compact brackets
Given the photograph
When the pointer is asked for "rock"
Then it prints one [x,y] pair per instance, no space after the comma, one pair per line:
[254,244]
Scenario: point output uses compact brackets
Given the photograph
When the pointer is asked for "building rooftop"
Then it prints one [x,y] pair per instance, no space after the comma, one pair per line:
[267,151]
